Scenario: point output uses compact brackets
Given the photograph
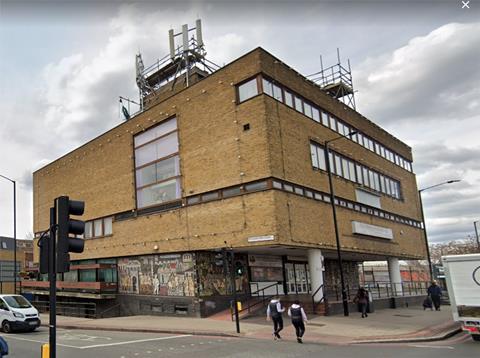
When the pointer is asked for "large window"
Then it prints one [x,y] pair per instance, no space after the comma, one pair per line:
[157,165]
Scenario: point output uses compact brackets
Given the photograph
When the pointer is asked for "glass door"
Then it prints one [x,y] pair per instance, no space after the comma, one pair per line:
[297,278]
[301,278]
[290,270]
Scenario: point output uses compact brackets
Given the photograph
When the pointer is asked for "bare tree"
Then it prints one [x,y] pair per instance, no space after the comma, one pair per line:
[456,247]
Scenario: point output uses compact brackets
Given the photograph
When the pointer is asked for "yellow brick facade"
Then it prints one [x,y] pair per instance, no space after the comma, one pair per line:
[215,152]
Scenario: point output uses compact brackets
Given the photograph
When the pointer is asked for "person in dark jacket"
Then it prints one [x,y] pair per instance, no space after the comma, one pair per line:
[299,318]
[362,299]
[274,312]
[435,292]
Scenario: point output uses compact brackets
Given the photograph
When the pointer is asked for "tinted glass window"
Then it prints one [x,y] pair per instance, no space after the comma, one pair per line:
[17,302]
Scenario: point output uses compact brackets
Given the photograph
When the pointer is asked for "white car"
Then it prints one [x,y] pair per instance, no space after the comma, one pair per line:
[16,313]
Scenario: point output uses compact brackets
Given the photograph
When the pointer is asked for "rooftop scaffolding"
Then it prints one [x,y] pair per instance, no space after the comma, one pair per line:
[336,81]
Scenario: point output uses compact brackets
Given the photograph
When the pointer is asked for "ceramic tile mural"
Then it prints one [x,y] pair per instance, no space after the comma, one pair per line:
[163,275]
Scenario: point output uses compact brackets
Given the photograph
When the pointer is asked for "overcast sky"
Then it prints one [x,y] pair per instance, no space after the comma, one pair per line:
[415,63]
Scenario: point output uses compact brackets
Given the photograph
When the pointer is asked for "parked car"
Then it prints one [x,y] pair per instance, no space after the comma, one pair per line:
[16,313]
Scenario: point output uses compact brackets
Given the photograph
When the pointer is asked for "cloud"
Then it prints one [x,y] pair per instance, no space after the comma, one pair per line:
[427,81]
[432,76]
[426,93]
[74,98]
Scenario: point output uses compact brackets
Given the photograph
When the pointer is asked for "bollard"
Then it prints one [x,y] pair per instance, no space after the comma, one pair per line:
[45,350]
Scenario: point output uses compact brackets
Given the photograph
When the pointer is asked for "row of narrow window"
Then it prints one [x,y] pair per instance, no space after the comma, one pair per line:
[355,172]
[250,89]
[365,209]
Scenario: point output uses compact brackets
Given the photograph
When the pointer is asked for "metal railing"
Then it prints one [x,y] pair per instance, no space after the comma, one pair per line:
[323,299]
[389,289]
[260,294]
[381,289]
[71,309]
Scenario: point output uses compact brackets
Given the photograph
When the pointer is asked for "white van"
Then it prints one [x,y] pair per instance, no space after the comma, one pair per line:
[16,313]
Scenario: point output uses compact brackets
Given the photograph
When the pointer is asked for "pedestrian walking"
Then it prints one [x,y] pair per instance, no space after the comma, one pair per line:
[361,299]
[299,318]
[435,293]
[274,312]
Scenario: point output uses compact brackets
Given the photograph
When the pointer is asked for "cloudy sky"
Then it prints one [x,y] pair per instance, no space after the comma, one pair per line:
[64,64]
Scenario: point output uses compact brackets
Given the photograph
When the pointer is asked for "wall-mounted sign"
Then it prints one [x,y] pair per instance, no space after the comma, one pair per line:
[264,261]
[371,230]
[261,238]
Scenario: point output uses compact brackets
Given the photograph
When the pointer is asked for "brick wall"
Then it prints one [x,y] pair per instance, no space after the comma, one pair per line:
[216,152]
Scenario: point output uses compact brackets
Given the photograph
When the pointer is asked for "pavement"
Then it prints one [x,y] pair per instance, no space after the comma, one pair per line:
[382,326]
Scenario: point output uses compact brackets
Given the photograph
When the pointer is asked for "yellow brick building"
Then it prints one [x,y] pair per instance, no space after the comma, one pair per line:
[233,160]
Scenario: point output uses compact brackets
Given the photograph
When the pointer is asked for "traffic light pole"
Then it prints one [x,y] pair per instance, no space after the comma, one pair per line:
[52,277]
[234,287]
[56,254]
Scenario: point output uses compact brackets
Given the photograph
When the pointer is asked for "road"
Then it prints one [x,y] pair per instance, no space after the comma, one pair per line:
[103,344]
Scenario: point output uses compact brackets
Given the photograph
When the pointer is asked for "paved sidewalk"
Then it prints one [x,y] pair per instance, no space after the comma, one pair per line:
[386,324]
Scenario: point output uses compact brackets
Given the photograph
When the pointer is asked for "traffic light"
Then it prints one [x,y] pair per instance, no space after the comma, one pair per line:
[239,268]
[44,252]
[66,226]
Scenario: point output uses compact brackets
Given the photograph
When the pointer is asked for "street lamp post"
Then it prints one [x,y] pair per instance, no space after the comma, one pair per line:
[14,232]
[423,220]
[335,224]
[476,233]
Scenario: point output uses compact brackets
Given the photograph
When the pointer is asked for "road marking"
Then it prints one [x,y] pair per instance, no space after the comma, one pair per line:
[437,347]
[81,337]
[132,342]
[37,341]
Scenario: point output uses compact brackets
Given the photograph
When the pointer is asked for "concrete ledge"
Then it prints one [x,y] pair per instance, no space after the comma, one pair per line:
[440,337]
[143,330]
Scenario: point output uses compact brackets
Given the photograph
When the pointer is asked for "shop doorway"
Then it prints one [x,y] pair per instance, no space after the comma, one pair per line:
[297,278]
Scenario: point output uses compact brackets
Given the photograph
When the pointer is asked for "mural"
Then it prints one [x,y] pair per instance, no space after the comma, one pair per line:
[164,275]
[212,276]
[175,275]
[128,274]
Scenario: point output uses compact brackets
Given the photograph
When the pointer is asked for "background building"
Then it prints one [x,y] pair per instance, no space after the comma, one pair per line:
[232,158]
[24,261]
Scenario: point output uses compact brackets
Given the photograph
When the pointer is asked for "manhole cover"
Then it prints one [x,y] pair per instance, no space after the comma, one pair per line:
[402,315]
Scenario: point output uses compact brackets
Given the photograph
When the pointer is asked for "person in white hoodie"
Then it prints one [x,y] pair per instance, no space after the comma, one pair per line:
[274,311]
[299,318]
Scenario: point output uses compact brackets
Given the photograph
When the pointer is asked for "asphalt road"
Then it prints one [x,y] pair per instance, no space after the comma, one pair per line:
[103,344]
